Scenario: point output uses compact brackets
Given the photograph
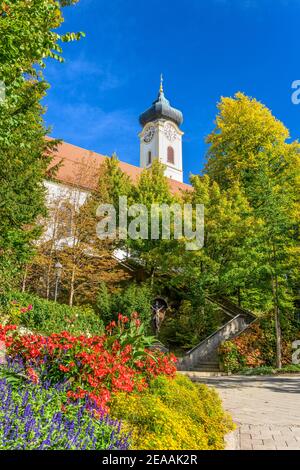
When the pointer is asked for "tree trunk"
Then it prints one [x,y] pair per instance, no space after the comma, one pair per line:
[24,279]
[48,282]
[278,339]
[72,290]
[277,314]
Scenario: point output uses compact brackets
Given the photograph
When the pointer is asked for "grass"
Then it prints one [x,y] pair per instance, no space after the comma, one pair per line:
[268,370]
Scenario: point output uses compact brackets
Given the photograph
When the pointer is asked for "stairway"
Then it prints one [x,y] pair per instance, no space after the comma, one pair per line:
[204,356]
[212,366]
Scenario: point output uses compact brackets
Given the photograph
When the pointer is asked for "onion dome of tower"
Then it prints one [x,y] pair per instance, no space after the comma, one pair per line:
[161,109]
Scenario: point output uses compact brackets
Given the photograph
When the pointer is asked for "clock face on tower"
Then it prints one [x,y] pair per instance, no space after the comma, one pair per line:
[170,132]
[149,133]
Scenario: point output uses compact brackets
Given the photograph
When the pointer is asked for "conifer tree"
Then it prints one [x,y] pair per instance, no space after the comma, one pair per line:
[27,38]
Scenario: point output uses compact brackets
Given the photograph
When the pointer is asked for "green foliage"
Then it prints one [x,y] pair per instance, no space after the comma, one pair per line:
[130,332]
[27,38]
[230,358]
[47,317]
[156,254]
[251,196]
[104,304]
[222,265]
[189,324]
[174,414]
[249,148]
[153,186]
[245,136]
[113,183]
[16,380]
[134,298]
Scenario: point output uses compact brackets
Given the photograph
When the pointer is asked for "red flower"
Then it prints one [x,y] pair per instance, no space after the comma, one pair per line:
[98,366]
[63,368]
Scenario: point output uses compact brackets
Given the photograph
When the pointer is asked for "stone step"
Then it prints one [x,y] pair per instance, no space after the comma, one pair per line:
[206,366]
[203,367]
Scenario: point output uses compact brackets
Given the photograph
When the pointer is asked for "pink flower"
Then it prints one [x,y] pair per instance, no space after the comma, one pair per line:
[33,375]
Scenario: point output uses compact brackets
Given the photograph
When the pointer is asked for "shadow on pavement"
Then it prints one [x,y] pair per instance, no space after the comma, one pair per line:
[282,384]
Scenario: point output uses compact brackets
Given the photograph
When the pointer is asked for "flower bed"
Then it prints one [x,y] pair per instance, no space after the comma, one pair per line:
[41,418]
[72,392]
[173,414]
[95,367]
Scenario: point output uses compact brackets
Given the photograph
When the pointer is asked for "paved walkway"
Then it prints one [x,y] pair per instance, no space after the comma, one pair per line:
[267,410]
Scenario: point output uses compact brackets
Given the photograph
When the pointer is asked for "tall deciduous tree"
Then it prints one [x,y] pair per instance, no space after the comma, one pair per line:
[153,188]
[224,264]
[249,147]
[71,238]
[88,260]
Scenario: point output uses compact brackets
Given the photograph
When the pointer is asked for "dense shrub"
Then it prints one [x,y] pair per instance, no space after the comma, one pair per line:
[230,358]
[94,366]
[134,298]
[189,324]
[41,418]
[48,317]
[256,347]
[173,414]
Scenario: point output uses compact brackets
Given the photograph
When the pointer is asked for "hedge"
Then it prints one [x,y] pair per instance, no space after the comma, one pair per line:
[49,317]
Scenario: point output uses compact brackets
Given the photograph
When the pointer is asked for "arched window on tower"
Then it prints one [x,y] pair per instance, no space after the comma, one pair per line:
[170,156]
[149,158]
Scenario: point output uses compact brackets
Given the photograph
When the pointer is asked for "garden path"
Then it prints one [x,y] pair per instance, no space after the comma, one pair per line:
[266,409]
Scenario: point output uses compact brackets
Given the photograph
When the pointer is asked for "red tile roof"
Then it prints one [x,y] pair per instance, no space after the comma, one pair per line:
[81,167]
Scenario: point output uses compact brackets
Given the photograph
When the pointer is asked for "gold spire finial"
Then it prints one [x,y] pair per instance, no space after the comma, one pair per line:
[161,89]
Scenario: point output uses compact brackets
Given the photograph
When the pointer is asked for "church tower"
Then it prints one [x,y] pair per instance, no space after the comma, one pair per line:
[161,136]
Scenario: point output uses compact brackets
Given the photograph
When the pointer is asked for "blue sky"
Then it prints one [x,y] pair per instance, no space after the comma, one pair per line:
[205,48]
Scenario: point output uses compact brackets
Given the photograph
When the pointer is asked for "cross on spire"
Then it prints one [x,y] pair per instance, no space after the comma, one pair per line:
[161,89]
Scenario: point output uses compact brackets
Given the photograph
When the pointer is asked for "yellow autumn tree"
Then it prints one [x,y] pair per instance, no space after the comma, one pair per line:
[249,147]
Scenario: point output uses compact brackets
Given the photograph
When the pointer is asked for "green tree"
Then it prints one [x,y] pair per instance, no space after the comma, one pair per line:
[224,264]
[249,147]
[27,38]
[113,182]
[153,188]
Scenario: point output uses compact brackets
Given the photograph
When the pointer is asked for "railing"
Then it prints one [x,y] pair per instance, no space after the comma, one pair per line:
[231,308]
[207,349]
